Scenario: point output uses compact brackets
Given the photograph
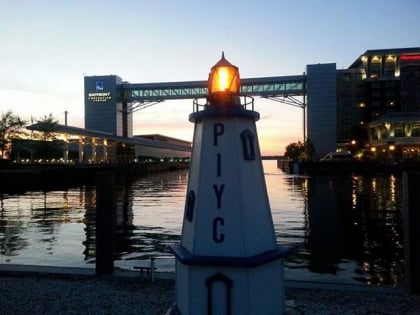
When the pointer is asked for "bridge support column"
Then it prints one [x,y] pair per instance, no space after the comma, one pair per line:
[93,146]
[105,150]
[66,148]
[80,147]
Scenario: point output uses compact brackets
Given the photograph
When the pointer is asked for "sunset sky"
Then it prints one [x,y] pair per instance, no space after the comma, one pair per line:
[48,46]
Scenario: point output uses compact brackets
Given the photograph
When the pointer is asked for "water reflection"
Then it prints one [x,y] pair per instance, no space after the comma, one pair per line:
[334,224]
[379,221]
[149,217]
[328,204]
[36,224]
[88,199]
[352,221]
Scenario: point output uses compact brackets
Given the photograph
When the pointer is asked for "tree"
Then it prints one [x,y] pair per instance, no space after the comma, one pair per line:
[11,126]
[300,151]
[47,126]
[48,148]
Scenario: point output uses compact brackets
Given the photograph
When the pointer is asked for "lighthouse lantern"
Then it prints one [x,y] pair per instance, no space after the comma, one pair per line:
[224,83]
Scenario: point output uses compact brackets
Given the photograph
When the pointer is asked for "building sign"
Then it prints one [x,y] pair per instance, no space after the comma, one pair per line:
[99,97]
[99,85]
[410,58]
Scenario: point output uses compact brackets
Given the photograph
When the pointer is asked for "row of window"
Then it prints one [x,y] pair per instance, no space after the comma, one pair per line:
[397,132]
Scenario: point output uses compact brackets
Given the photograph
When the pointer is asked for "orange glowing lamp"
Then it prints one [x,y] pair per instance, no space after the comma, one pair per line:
[224,83]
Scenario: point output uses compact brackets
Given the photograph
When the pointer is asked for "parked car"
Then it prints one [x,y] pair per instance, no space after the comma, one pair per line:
[337,156]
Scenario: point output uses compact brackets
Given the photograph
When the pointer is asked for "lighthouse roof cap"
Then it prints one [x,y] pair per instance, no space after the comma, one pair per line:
[223,62]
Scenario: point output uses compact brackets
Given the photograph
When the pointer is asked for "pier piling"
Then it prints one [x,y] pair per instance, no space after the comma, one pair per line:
[412,230]
[105,210]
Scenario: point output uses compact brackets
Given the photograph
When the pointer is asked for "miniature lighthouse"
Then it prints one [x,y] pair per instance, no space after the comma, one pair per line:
[228,260]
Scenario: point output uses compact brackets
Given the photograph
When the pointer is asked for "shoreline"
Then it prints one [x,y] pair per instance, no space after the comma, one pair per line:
[345,167]
[129,293]
[292,280]
[21,177]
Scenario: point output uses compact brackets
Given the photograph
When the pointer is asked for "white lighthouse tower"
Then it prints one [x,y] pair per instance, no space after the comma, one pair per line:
[228,260]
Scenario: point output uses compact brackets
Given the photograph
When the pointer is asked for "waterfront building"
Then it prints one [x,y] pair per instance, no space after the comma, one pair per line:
[390,106]
[145,151]
[350,105]
[105,109]
[108,133]
[93,146]
[373,105]
[395,136]
[321,106]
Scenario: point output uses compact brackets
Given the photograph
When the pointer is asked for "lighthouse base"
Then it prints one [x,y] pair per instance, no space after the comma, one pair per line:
[234,289]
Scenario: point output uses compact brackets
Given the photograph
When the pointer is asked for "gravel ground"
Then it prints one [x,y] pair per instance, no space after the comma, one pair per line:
[318,301]
[44,295]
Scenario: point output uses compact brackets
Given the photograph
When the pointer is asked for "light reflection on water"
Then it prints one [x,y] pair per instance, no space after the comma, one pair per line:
[336,226]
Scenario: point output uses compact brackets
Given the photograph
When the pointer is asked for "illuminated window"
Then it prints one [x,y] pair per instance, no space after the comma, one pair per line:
[375,67]
[415,132]
[384,133]
[389,70]
[399,131]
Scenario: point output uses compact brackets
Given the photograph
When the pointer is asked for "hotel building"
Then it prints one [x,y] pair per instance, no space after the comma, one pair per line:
[378,103]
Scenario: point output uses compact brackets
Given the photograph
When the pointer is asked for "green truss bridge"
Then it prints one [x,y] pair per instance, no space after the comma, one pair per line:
[289,90]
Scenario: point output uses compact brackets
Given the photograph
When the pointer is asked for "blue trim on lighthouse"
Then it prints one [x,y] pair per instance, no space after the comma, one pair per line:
[228,283]
[248,145]
[186,258]
[226,111]
[190,205]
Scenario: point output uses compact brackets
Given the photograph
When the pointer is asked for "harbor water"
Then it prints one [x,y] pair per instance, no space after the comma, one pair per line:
[345,228]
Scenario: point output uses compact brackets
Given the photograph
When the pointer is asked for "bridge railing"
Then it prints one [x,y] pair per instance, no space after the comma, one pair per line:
[264,87]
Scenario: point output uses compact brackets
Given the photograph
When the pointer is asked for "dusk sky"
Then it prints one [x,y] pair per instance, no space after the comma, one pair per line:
[48,46]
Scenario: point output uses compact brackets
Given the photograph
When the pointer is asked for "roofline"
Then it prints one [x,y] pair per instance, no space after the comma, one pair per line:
[161,135]
[99,134]
[386,51]
[395,117]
